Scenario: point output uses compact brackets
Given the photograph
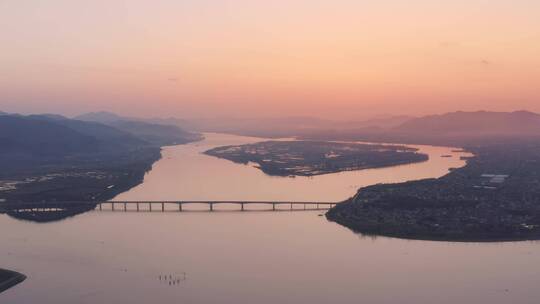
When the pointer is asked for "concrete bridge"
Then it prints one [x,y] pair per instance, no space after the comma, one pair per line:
[162,206]
[211,205]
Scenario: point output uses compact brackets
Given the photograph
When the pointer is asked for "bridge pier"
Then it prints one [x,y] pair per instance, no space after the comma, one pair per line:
[100,206]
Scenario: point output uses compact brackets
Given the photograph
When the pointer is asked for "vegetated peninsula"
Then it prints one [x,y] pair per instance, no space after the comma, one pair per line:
[309,158]
[495,197]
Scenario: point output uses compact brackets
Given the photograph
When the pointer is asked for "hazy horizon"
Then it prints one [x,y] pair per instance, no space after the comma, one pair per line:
[231,118]
[335,60]
[284,151]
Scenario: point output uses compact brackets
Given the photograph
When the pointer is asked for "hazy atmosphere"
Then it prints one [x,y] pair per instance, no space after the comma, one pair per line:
[270,152]
[331,59]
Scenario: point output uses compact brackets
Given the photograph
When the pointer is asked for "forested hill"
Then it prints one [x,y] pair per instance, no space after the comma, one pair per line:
[161,134]
[41,136]
[54,158]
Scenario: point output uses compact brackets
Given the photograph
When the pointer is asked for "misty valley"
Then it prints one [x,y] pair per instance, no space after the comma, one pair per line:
[66,174]
[58,172]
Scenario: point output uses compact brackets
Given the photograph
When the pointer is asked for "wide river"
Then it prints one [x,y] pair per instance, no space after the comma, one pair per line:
[255,257]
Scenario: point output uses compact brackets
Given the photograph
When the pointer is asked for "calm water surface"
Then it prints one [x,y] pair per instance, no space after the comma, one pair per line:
[186,173]
[254,257]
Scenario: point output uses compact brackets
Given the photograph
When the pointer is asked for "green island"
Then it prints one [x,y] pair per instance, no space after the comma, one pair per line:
[309,158]
[495,197]
[9,279]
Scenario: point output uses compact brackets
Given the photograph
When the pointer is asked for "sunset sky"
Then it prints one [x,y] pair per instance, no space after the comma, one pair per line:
[332,59]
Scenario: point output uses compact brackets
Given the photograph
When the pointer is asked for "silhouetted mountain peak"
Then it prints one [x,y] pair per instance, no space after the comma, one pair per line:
[19,134]
[475,123]
[159,134]
[48,116]
[101,116]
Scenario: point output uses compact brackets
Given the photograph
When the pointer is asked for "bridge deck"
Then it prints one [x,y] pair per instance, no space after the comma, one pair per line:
[149,206]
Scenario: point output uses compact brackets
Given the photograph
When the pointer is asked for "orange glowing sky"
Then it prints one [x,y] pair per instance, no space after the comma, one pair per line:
[339,58]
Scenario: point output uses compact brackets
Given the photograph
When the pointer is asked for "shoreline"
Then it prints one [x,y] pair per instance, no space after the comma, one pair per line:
[9,279]
[461,206]
[118,176]
[281,158]
[126,177]
[356,228]
[269,173]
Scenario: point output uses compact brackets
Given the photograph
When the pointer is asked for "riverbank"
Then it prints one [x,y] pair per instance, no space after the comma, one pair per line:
[78,181]
[96,179]
[356,225]
[311,158]
[9,279]
[495,197]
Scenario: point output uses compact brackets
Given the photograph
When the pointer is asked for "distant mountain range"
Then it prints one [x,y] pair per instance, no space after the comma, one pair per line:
[261,126]
[479,123]
[287,126]
[51,134]
[54,158]
[51,158]
[160,134]
[451,128]
[456,128]
[103,117]
[50,138]
[38,136]
[109,117]
[107,137]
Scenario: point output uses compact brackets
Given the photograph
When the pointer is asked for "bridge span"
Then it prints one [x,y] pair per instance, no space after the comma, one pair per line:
[242,205]
[163,206]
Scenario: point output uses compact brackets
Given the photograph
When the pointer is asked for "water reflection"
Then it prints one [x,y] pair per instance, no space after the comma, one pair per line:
[51,212]
[184,173]
[256,257]
[46,212]
[260,257]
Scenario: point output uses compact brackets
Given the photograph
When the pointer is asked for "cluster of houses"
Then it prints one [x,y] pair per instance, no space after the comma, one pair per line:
[491,181]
